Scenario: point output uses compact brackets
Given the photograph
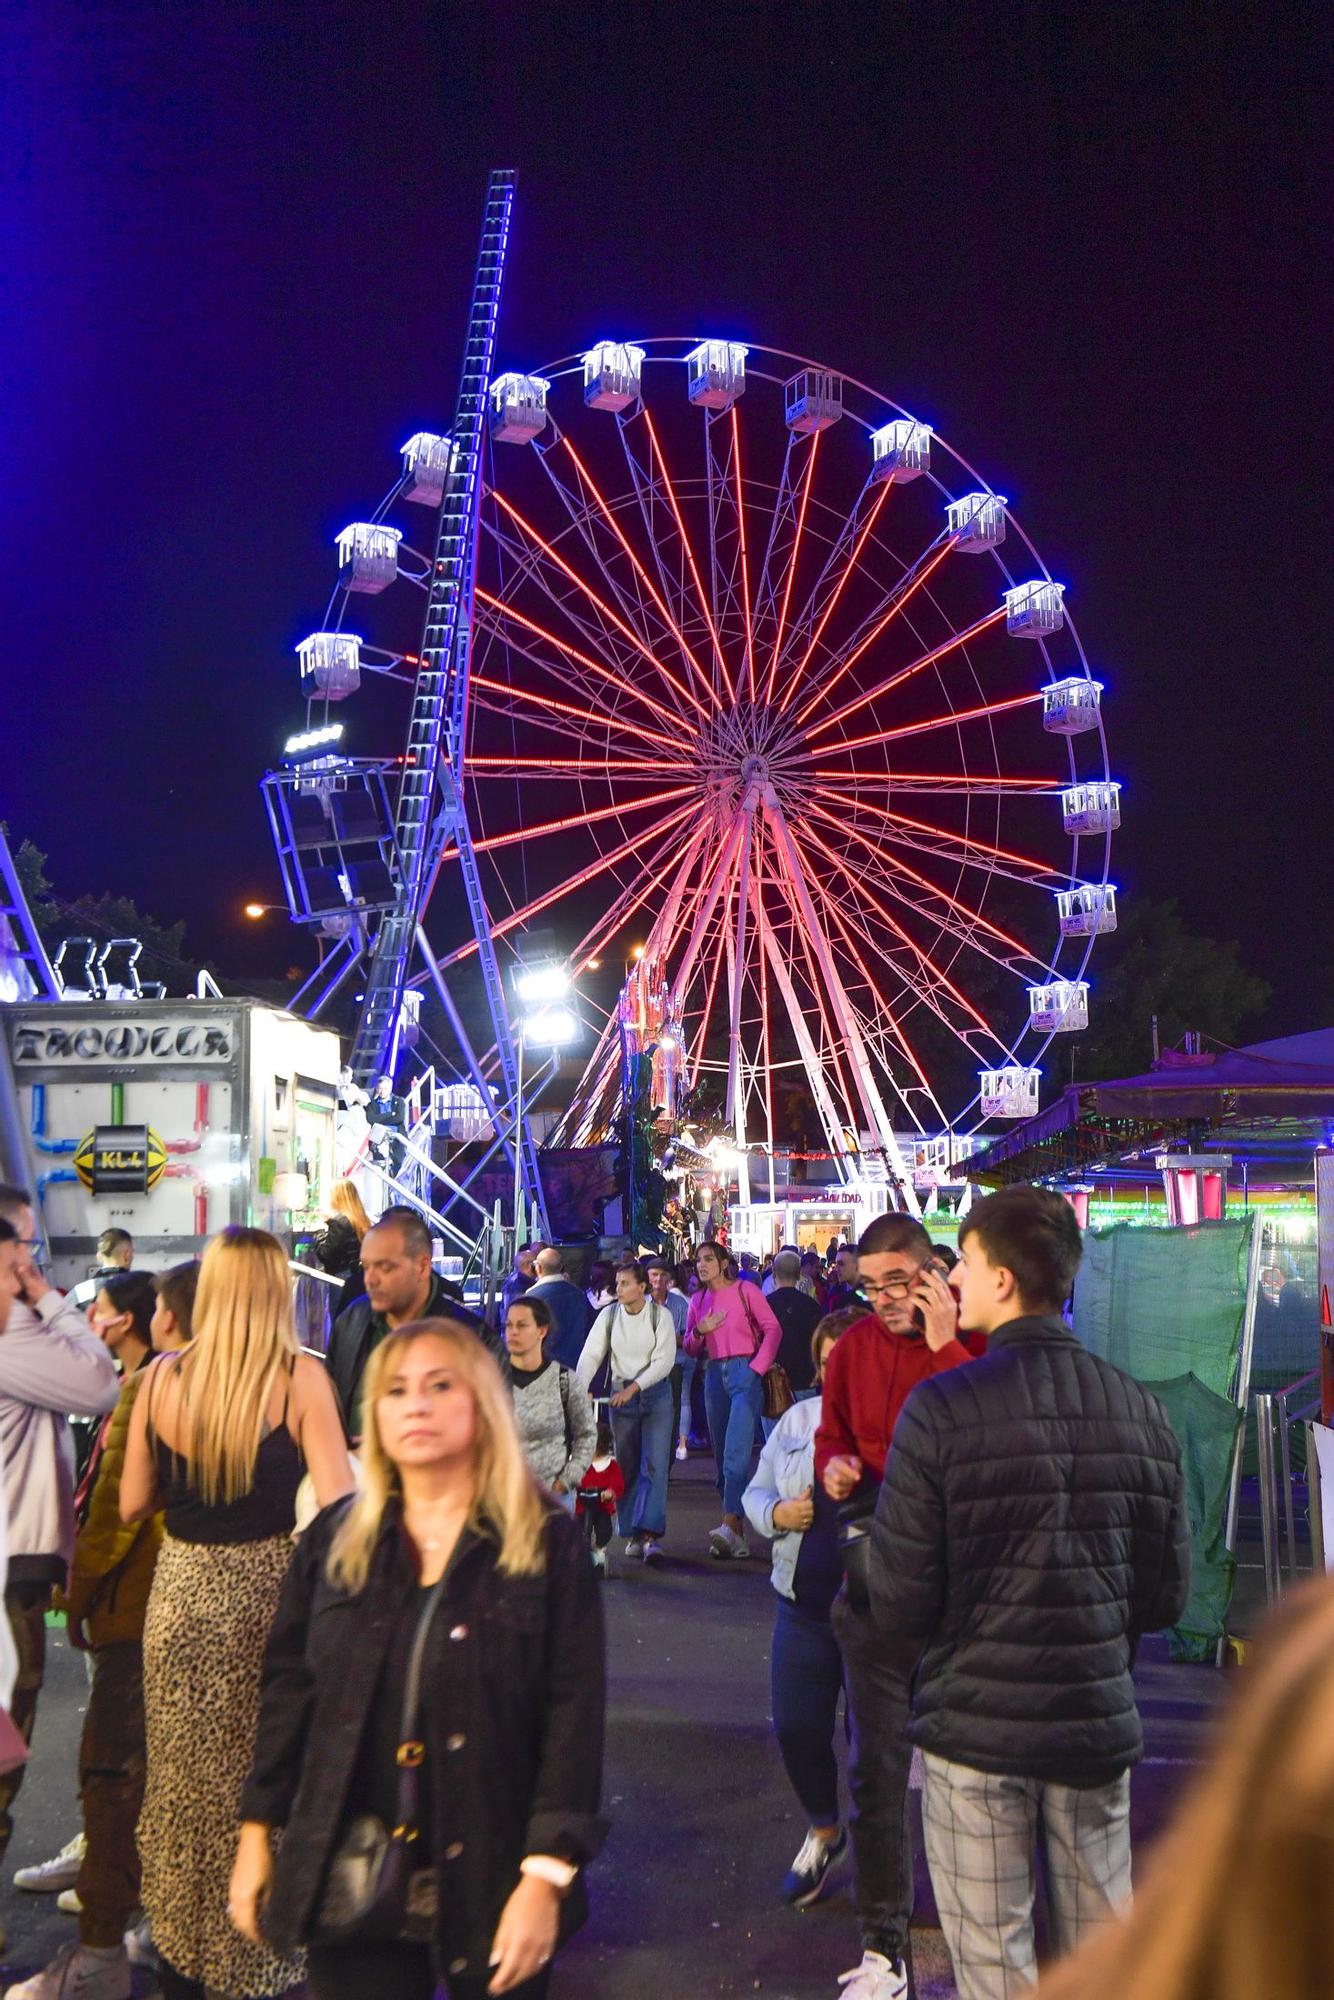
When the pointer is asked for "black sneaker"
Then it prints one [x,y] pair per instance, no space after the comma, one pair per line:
[811,1874]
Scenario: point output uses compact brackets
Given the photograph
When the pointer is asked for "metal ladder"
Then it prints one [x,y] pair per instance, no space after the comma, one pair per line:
[435,703]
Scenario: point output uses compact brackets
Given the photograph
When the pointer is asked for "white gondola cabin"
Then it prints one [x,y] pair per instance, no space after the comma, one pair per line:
[368,556]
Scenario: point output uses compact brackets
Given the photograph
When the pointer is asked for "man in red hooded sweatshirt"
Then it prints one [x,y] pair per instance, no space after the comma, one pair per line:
[910,1333]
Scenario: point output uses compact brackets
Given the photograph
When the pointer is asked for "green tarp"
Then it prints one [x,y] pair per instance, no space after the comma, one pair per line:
[1167,1306]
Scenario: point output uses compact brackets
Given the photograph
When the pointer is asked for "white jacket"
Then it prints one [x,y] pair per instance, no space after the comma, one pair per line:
[52,1367]
[642,1346]
[785,1470]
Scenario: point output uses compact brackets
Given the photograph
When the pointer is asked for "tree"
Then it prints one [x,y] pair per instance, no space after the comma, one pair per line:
[1155,966]
[103,917]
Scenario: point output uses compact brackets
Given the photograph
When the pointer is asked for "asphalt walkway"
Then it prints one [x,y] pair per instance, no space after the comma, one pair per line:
[703,1824]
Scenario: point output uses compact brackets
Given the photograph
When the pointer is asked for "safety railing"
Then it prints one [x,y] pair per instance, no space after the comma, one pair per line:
[1275,1414]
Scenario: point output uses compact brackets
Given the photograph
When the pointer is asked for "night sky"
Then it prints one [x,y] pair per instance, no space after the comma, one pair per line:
[237,243]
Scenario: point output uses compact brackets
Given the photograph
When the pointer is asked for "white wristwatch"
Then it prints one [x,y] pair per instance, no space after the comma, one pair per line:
[547,1868]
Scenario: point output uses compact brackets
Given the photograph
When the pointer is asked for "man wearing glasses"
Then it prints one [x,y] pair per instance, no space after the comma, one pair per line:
[909,1333]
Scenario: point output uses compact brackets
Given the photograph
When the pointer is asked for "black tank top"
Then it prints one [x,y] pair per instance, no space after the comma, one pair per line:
[268,1509]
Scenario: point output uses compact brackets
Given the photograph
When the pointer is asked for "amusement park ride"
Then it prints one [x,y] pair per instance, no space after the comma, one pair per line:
[719,645]
[724,653]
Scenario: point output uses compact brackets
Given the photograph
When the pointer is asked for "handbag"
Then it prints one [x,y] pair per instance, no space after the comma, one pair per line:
[778,1392]
[369,1893]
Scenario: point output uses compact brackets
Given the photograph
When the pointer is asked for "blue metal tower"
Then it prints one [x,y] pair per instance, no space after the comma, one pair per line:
[430,813]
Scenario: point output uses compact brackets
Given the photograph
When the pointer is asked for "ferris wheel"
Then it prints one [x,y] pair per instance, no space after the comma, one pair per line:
[769,687]
[806,713]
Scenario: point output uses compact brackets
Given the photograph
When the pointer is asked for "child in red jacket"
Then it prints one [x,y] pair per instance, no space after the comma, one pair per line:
[595,1501]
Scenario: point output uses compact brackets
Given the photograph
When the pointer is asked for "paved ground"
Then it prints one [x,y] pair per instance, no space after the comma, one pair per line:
[703,1825]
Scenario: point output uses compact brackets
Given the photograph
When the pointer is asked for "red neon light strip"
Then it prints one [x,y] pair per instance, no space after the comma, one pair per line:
[690,556]
[911,943]
[873,985]
[828,612]
[617,681]
[957,839]
[792,566]
[612,617]
[826,688]
[906,673]
[640,571]
[961,909]
[561,707]
[745,567]
[936,722]
[950,780]
[839,1055]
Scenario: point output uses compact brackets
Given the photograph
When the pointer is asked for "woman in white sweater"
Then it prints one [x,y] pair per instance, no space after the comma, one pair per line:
[638,1338]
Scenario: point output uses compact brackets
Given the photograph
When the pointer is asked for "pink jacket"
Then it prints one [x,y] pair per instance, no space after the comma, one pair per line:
[747,1318]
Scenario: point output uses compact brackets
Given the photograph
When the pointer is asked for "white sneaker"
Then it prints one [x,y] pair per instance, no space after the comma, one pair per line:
[876,1978]
[75,1974]
[68,1901]
[600,1561]
[60,1872]
[681,1452]
[652,1550]
[727,1545]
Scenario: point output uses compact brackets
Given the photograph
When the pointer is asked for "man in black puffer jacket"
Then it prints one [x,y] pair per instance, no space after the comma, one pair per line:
[1031,1527]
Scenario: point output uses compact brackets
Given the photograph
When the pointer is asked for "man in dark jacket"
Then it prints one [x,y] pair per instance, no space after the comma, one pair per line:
[400,1286]
[1031,1526]
[908,1335]
[571,1314]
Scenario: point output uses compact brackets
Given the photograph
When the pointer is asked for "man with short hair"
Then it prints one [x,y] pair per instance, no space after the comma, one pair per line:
[401,1286]
[520,1277]
[387,1114]
[571,1314]
[51,1364]
[798,1315]
[844,1289]
[1030,1529]
[904,1339]
[115,1252]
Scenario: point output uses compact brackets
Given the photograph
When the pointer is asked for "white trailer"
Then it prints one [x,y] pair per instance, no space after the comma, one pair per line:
[171,1119]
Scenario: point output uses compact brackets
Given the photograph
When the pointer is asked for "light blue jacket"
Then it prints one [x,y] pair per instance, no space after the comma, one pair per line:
[785,1470]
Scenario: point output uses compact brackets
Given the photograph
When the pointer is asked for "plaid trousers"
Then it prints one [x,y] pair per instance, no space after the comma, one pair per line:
[982,1834]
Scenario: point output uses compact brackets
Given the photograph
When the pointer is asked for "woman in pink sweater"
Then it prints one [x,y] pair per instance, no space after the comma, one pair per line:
[733,1325]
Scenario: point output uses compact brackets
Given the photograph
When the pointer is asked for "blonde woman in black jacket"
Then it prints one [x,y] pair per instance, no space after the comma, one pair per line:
[512,1696]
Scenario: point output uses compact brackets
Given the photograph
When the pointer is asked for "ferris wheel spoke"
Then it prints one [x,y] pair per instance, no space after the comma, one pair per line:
[529,568]
[612,618]
[562,768]
[951,784]
[747,627]
[573,821]
[781,516]
[577,510]
[906,673]
[657,596]
[907,729]
[961,847]
[655,449]
[842,662]
[790,567]
[603,863]
[581,659]
[936,979]
[635,896]
[895,866]
[868,1092]
[884,1008]
[532,710]
[857,537]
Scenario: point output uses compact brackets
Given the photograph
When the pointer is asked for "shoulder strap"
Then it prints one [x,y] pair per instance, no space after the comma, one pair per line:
[563,1377]
[411,1750]
[755,1334]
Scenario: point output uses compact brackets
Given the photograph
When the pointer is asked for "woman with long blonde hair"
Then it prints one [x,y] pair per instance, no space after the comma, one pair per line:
[219,1440]
[1234,1903]
[453,1556]
[338,1245]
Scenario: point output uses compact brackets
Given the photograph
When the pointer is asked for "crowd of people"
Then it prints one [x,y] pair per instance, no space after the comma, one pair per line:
[365,1751]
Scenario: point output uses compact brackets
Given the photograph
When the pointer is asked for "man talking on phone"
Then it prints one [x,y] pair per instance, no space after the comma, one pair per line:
[910,1332]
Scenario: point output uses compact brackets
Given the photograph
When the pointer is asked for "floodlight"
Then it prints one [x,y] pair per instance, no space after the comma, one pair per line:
[308,741]
[550,1028]
[534,985]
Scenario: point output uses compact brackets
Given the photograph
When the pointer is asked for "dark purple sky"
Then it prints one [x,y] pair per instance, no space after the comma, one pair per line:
[237,242]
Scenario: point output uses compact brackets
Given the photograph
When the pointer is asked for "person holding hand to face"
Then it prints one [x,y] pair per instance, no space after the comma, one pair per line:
[734,1325]
[910,1333]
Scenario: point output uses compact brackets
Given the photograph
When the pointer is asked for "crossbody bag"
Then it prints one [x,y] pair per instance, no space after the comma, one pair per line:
[778,1392]
[368,1886]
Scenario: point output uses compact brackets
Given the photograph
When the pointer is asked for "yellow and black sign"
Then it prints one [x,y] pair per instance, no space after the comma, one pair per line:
[120,1159]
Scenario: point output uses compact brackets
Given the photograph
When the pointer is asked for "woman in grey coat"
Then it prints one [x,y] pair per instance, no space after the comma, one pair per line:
[556,1422]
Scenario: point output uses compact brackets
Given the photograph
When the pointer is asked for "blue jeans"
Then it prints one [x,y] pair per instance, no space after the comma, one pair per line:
[642,1429]
[687,1363]
[806,1679]
[734,1395]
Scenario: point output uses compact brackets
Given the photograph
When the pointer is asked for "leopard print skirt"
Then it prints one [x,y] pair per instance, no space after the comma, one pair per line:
[208,1618]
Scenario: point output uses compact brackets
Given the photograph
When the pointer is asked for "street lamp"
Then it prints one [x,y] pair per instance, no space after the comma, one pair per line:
[545,1022]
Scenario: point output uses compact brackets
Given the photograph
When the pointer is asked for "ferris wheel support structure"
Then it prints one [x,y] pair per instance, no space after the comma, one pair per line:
[431,816]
